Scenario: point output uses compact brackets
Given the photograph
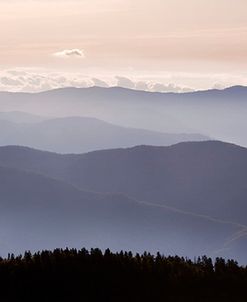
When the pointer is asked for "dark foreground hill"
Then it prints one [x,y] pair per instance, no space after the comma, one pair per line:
[71,275]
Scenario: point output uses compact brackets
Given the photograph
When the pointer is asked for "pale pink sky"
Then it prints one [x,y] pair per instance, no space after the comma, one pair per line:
[135,38]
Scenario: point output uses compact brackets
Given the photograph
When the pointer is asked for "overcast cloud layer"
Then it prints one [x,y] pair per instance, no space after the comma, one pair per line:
[161,42]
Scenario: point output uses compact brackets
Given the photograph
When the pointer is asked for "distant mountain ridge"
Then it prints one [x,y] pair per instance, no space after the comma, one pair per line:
[215,113]
[231,89]
[79,134]
[21,117]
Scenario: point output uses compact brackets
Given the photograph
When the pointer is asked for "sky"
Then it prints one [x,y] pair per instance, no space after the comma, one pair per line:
[167,44]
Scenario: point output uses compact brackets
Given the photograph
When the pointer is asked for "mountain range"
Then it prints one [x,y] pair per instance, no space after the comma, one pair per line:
[188,199]
[128,170]
[79,134]
[219,114]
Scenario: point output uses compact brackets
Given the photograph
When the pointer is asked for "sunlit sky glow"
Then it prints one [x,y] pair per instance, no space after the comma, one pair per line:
[193,43]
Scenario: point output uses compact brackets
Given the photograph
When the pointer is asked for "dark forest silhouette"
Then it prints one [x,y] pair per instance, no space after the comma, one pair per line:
[82,275]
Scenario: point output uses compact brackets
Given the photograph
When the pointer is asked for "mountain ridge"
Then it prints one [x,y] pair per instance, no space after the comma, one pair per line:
[219,114]
[226,89]
[77,134]
[40,212]
[191,176]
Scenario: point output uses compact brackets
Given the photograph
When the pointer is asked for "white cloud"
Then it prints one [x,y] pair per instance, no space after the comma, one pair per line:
[160,87]
[99,82]
[218,86]
[150,85]
[28,80]
[8,81]
[142,85]
[36,80]
[70,53]
[125,82]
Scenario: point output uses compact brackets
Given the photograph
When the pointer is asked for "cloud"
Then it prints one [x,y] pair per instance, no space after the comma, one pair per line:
[31,80]
[70,53]
[150,86]
[160,87]
[28,80]
[36,80]
[125,82]
[142,85]
[8,81]
[218,86]
[99,83]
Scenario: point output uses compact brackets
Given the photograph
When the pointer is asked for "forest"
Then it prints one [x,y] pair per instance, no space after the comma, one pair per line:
[95,275]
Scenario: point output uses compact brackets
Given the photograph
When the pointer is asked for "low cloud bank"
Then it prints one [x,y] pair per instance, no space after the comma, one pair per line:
[31,80]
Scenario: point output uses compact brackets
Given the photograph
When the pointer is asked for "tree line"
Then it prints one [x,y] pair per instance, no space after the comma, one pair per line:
[82,275]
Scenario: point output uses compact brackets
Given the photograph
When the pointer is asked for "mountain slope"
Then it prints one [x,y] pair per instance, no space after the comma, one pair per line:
[81,134]
[216,113]
[207,178]
[37,212]
[20,117]
[204,177]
